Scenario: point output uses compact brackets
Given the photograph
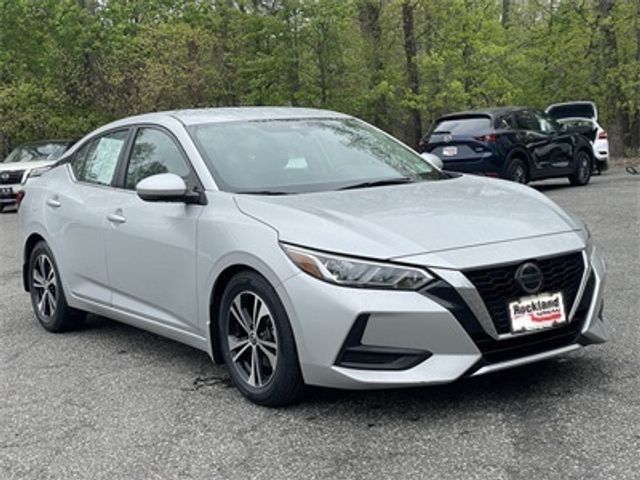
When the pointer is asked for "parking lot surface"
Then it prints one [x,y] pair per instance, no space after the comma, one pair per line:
[113,402]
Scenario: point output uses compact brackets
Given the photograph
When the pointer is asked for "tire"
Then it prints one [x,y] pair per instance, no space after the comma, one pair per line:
[262,361]
[517,171]
[584,169]
[53,312]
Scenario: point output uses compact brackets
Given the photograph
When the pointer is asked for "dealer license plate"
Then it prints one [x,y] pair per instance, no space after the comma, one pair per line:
[449,151]
[537,312]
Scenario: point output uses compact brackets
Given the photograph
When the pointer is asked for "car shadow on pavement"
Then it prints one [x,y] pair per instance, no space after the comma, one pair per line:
[547,382]
[548,187]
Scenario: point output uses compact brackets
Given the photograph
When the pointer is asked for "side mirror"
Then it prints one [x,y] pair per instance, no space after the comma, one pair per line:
[433,160]
[164,187]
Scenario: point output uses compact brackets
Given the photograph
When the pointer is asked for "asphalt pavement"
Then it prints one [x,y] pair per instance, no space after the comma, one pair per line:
[113,402]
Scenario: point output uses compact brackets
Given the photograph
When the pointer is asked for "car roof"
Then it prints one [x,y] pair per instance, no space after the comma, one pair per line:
[44,142]
[228,114]
[487,112]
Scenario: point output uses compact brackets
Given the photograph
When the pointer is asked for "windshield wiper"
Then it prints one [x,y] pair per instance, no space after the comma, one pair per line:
[263,192]
[379,183]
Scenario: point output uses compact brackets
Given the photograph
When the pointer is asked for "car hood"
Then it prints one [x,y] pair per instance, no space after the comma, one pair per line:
[401,220]
[4,167]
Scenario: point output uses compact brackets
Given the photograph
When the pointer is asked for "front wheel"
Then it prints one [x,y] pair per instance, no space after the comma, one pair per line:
[257,342]
[47,294]
[583,170]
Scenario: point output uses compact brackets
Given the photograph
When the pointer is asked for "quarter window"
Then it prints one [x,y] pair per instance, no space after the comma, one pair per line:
[96,161]
[155,152]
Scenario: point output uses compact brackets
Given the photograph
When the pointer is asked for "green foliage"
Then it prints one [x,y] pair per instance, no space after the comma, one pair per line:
[67,66]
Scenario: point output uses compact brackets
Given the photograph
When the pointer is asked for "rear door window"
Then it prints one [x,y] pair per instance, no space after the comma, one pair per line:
[526,120]
[505,122]
[462,126]
[95,162]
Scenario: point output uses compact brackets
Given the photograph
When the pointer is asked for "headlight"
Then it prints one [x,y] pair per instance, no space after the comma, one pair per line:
[352,272]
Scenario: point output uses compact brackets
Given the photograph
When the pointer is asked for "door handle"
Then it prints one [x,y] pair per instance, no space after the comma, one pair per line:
[115,218]
[54,203]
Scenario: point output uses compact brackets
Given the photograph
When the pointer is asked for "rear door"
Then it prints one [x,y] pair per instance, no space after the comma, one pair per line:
[151,246]
[76,203]
[459,139]
[560,152]
[535,140]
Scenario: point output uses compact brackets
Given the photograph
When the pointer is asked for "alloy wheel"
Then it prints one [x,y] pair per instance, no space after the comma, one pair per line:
[45,284]
[252,339]
[583,167]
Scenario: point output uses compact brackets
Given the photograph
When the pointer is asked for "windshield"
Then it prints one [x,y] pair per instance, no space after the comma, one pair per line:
[463,126]
[36,152]
[308,155]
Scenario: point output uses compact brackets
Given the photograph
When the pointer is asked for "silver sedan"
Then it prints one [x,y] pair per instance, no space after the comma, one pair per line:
[306,247]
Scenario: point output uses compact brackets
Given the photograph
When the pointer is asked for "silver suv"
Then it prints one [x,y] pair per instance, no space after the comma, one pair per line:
[306,247]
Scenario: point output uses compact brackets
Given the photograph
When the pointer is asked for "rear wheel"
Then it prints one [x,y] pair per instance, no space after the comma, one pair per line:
[517,171]
[47,294]
[583,170]
[257,342]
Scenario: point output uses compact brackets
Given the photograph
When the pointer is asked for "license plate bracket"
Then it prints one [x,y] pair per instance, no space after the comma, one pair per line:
[538,312]
[449,151]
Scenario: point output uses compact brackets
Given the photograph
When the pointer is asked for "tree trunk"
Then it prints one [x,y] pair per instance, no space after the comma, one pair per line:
[634,137]
[610,61]
[294,64]
[369,13]
[411,52]
[506,13]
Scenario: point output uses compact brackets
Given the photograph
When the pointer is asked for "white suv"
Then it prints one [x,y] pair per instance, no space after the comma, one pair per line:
[582,117]
[25,161]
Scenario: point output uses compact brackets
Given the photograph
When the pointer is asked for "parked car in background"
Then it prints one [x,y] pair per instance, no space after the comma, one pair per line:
[25,160]
[582,117]
[516,143]
[305,246]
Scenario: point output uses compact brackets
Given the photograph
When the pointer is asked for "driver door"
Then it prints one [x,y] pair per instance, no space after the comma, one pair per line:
[151,246]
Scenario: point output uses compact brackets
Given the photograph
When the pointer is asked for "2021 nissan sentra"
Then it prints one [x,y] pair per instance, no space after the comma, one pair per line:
[306,247]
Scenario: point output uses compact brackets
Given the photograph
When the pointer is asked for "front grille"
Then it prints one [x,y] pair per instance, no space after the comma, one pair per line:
[497,286]
[496,351]
[10,178]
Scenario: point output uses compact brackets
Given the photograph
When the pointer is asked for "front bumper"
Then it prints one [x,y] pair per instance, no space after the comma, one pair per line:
[448,326]
[9,198]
